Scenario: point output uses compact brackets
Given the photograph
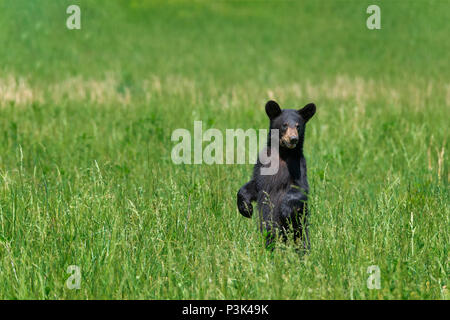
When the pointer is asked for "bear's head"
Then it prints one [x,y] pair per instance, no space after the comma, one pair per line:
[289,122]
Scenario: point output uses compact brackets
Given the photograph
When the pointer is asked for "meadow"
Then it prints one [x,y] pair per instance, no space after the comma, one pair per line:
[87,179]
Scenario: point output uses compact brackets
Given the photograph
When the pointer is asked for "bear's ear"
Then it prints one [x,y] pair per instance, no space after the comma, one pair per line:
[272,109]
[307,111]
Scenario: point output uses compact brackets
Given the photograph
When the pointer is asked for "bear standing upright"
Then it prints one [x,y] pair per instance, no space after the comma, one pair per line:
[281,196]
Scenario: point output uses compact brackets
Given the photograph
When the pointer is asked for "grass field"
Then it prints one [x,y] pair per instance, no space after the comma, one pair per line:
[86,176]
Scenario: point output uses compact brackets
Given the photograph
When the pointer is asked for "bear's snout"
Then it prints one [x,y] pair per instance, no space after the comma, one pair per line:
[290,138]
[293,139]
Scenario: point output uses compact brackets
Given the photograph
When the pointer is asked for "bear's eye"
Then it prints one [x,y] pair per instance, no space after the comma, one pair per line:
[285,125]
[297,125]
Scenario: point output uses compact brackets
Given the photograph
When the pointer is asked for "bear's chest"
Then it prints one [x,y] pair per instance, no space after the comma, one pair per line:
[287,174]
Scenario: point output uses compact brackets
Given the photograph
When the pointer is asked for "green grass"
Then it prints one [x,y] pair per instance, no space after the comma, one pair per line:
[86,176]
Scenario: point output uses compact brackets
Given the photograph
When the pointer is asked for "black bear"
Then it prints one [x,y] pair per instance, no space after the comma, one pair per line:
[281,196]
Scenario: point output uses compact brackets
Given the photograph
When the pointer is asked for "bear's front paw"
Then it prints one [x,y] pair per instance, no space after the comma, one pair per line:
[245,207]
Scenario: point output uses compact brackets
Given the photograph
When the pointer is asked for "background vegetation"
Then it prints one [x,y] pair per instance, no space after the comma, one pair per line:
[86,118]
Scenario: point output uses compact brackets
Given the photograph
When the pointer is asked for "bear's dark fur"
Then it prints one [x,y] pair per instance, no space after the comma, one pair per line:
[281,197]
